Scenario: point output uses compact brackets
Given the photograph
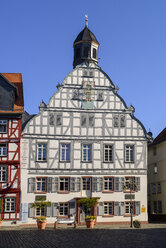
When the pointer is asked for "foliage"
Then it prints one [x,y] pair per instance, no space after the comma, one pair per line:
[41,218]
[137,223]
[89,203]
[90,217]
[41,203]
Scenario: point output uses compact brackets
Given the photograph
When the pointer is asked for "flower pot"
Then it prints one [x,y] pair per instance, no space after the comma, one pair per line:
[0,223]
[90,223]
[41,224]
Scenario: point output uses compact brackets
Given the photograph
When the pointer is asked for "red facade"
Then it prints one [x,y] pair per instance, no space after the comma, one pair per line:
[10,135]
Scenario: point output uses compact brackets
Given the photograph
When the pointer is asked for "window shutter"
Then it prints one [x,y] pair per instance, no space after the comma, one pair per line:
[31,211]
[94,184]
[122,184]
[91,120]
[137,207]
[55,181]
[49,211]
[72,208]
[122,208]
[116,184]
[116,208]
[31,185]
[55,209]
[49,184]
[83,121]
[137,183]
[100,184]
[100,211]
[122,121]
[78,184]
[72,184]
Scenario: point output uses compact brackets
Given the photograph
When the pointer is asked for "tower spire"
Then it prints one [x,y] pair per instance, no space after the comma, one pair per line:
[86,20]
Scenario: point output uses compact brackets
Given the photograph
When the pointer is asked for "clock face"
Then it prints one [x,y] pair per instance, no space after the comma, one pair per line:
[88,95]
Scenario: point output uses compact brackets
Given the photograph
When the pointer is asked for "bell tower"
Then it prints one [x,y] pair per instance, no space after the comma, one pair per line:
[85,46]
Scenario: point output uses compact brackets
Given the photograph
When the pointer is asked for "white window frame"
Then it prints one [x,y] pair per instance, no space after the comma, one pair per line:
[3,150]
[42,148]
[63,206]
[3,173]
[129,153]
[4,123]
[65,181]
[128,209]
[85,155]
[130,181]
[107,181]
[108,151]
[63,152]
[42,181]
[10,204]
[108,208]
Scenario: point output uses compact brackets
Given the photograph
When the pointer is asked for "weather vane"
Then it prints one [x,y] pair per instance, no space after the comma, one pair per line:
[86,20]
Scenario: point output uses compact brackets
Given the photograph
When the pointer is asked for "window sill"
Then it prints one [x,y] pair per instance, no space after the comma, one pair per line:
[106,216]
[40,192]
[41,161]
[64,161]
[128,191]
[63,192]
[63,216]
[105,191]
[128,215]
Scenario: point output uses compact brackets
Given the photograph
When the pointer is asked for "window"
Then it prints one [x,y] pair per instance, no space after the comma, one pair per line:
[10,204]
[108,153]
[64,184]
[94,53]
[41,184]
[75,95]
[155,207]
[159,188]
[108,208]
[154,150]
[129,153]
[3,150]
[3,173]
[129,207]
[83,120]
[65,152]
[159,207]
[40,211]
[41,152]
[116,121]
[153,188]
[77,52]
[155,168]
[86,183]
[130,183]
[119,121]
[3,126]
[59,120]
[51,119]
[86,52]
[86,153]
[108,184]
[91,120]
[100,96]
[63,209]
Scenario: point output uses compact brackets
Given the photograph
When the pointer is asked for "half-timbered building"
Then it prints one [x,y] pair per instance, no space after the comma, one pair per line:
[85,143]
[11,110]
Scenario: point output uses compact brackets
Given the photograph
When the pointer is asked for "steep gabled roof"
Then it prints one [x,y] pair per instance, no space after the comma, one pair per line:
[16,80]
[160,138]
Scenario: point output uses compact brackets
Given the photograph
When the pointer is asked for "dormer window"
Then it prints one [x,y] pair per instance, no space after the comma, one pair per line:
[94,53]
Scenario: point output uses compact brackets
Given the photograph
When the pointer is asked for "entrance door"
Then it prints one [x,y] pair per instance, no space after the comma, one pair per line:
[83,213]
[86,186]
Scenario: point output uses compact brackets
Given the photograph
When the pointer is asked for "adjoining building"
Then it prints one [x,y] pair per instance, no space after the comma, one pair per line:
[157,178]
[85,143]
[11,110]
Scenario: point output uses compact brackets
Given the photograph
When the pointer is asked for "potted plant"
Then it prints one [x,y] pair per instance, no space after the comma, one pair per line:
[40,204]
[89,204]
[137,223]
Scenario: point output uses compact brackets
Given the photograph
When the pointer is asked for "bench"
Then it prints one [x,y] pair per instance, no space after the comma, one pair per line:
[67,221]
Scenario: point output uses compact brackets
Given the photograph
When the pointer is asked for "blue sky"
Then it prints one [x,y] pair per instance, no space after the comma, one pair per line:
[37,40]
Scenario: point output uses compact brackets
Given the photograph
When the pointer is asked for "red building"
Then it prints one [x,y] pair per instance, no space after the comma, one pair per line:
[11,110]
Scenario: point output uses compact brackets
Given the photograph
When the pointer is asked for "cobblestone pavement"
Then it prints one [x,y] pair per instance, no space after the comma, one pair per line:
[73,238]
